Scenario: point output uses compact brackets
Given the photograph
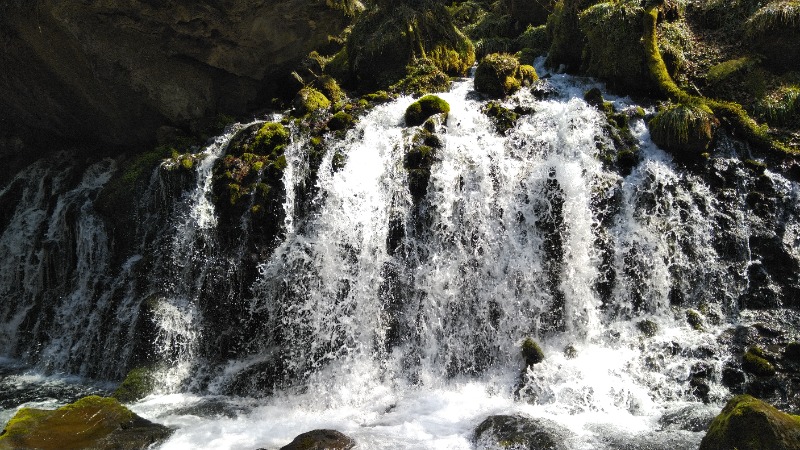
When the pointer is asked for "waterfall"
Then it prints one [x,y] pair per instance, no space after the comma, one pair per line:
[398,319]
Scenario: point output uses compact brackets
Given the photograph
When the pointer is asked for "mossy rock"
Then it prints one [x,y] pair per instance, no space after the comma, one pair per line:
[137,385]
[566,38]
[531,352]
[747,423]
[422,77]
[684,130]
[309,100]
[503,118]
[387,38]
[419,111]
[268,139]
[613,49]
[91,422]
[533,42]
[520,432]
[341,121]
[695,320]
[500,74]
[774,31]
[329,88]
[754,362]
[647,327]
[419,157]
[321,439]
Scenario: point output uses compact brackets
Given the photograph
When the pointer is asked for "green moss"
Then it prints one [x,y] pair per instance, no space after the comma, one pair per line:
[531,352]
[775,17]
[137,384]
[497,75]
[78,425]
[341,121]
[329,87]
[724,70]
[534,40]
[422,77]
[280,162]
[753,362]
[388,38]
[732,114]
[503,118]
[378,97]
[565,34]
[695,320]
[613,50]
[781,107]
[310,100]
[747,423]
[271,138]
[685,130]
[419,111]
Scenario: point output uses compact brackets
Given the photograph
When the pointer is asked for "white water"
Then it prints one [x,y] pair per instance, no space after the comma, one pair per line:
[474,283]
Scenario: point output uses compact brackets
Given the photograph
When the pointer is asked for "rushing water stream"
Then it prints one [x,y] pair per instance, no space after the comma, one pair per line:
[409,344]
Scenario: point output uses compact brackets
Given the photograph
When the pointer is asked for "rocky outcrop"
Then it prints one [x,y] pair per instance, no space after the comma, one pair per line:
[91,422]
[112,72]
[748,423]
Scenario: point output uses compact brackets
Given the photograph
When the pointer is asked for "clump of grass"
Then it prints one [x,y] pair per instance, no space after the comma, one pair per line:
[781,107]
[775,17]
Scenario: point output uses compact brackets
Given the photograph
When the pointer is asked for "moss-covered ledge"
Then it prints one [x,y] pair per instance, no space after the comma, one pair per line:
[91,422]
[732,114]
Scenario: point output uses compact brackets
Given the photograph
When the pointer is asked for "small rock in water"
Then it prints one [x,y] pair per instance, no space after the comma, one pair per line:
[519,432]
[321,439]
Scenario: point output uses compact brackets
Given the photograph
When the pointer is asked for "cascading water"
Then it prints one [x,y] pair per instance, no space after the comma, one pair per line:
[398,320]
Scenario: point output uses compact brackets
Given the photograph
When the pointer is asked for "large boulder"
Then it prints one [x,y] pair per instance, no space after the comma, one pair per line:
[91,422]
[747,423]
[114,71]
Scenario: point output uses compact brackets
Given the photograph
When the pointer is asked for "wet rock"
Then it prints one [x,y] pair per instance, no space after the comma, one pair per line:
[531,352]
[689,418]
[747,423]
[91,422]
[647,327]
[686,131]
[519,432]
[755,363]
[419,111]
[321,440]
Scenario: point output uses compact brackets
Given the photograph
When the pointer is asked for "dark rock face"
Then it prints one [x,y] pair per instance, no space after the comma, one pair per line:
[112,72]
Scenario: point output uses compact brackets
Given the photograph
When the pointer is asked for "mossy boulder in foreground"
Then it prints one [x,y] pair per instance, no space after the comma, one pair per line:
[500,74]
[91,422]
[747,423]
[420,110]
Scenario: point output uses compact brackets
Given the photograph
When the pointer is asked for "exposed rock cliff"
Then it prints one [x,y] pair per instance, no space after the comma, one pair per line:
[113,71]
